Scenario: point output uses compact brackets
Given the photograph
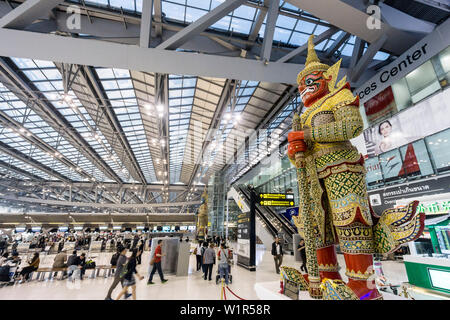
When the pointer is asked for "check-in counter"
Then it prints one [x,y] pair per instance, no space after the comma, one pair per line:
[428,272]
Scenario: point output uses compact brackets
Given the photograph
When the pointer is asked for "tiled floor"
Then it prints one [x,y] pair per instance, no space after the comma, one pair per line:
[190,287]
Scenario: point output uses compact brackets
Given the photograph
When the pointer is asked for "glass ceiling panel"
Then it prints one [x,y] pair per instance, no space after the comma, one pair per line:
[120,92]
[79,118]
[243,94]
[181,98]
[17,110]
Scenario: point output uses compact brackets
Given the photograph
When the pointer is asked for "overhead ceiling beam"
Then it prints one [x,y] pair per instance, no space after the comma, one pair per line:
[200,24]
[99,205]
[256,26]
[272,15]
[27,13]
[439,4]
[337,44]
[146,23]
[113,55]
[158,17]
[357,53]
[321,37]
[367,58]
[401,20]
[354,21]
[113,186]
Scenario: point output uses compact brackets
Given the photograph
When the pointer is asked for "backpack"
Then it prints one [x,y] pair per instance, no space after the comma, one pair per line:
[114,259]
[4,273]
[90,264]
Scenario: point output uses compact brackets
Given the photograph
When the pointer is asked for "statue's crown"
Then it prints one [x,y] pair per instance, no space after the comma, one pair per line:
[312,61]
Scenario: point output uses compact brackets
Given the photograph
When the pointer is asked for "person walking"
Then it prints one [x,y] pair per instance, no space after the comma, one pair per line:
[209,259]
[202,251]
[3,245]
[302,250]
[157,263]
[224,262]
[128,278]
[277,253]
[198,254]
[121,260]
[33,266]
[140,252]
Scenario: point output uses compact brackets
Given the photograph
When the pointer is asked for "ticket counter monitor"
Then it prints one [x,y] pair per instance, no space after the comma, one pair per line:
[69,246]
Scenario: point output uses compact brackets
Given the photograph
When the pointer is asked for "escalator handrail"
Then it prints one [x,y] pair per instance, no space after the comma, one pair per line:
[285,224]
[269,224]
[289,232]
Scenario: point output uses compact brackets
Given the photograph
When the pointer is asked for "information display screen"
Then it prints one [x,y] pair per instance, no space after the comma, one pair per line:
[117,227]
[36,229]
[77,228]
[166,229]
[191,228]
[276,199]
[440,279]
[20,229]
[183,228]
[63,229]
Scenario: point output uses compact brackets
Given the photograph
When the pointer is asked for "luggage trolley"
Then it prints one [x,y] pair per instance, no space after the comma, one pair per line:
[230,276]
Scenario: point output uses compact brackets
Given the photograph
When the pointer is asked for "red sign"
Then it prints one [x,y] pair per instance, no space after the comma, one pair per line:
[381,105]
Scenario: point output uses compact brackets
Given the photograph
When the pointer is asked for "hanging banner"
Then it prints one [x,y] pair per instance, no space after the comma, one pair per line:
[380,106]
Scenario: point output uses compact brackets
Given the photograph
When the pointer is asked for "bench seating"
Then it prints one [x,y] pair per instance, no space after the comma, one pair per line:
[94,273]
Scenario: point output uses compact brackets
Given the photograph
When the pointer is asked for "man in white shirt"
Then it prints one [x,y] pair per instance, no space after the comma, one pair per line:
[277,252]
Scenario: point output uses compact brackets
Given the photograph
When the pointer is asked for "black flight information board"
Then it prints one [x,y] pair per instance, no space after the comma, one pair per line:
[276,199]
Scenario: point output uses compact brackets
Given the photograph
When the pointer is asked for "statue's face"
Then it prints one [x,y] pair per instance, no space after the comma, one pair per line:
[313,87]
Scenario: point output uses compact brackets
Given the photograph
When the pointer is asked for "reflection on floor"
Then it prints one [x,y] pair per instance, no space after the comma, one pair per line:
[190,287]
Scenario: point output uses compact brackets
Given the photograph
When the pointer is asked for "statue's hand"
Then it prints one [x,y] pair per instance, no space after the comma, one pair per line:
[296,143]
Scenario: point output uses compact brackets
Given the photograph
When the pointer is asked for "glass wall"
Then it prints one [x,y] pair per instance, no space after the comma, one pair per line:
[216,205]
[419,84]
[416,160]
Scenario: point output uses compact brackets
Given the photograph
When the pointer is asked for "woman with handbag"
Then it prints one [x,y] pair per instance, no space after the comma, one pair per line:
[128,271]
[34,265]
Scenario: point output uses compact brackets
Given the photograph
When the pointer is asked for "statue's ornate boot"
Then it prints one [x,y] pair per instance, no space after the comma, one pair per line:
[361,276]
[328,265]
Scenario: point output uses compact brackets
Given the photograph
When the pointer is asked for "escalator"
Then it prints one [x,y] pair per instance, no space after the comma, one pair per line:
[274,223]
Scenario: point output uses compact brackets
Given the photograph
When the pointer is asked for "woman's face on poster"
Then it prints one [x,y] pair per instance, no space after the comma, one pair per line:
[385,129]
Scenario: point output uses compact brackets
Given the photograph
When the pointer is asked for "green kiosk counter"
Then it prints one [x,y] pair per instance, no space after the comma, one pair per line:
[430,273]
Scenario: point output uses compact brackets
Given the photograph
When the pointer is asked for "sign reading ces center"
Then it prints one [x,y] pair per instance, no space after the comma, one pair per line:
[276,199]
[422,51]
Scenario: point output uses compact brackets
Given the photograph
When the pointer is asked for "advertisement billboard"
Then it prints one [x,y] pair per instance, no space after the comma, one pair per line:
[425,118]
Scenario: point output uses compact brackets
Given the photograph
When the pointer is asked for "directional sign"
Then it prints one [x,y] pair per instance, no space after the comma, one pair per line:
[276,199]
